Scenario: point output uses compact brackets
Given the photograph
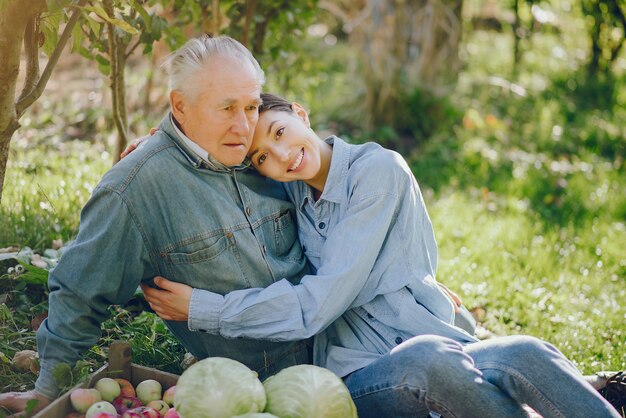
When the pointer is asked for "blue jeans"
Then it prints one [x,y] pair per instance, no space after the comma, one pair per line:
[491,378]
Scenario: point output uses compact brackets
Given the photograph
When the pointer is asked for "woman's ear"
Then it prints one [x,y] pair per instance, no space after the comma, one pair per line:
[302,114]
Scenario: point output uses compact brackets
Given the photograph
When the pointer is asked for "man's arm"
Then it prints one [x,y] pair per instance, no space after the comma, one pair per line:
[102,267]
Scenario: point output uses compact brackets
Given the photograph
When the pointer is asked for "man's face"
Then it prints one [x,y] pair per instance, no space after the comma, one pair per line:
[222,116]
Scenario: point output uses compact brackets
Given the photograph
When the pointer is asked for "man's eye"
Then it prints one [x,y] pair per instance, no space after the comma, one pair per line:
[279,132]
[252,107]
[261,159]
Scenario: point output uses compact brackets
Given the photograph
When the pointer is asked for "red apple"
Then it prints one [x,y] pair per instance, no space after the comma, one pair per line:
[171,413]
[105,415]
[124,403]
[75,415]
[127,388]
[81,399]
[141,412]
[168,395]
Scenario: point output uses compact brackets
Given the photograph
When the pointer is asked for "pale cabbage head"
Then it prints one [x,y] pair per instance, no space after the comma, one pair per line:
[257,415]
[218,387]
[307,391]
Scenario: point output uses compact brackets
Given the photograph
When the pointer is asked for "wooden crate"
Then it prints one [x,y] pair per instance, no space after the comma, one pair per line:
[119,365]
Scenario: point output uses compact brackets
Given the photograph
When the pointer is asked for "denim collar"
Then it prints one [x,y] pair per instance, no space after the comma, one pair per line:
[196,155]
[337,174]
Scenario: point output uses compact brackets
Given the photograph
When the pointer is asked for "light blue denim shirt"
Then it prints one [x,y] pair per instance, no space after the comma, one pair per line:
[164,210]
[371,241]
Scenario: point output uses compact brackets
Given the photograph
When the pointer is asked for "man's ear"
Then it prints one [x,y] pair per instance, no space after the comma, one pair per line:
[178,103]
[302,114]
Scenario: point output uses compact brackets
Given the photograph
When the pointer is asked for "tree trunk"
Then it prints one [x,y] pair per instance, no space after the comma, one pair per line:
[117,55]
[404,45]
[14,18]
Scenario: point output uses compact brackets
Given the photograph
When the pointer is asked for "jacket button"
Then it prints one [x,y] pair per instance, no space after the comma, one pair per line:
[322,225]
[398,340]
[248,210]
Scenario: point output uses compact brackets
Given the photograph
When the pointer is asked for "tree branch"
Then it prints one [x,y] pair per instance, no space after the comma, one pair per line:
[250,10]
[31,49]
[132,48]
[25,102]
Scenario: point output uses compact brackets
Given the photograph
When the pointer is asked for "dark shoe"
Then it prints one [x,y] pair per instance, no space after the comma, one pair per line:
[615,392]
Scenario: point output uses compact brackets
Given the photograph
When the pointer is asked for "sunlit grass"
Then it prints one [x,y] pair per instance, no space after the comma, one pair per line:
[565,285]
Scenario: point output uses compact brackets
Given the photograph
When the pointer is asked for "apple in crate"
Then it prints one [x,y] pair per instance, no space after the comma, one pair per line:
[171,413]
[126,388]
[105,415]
[124,403]
[168,395]
[148,390]
[82,398]
[108,388]
[141,412]
[160,406]
[102,406]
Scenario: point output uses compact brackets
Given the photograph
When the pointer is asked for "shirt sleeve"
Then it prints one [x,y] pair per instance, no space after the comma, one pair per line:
[102,267]
[284,311]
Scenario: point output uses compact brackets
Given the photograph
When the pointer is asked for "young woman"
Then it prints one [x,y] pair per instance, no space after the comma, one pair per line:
[379,317]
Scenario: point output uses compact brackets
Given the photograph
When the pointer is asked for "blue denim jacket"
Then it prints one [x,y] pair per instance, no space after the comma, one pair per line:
[165,211]
[371,241]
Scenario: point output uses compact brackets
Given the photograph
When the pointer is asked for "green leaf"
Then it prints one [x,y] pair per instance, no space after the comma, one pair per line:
[96,27]
[102,60]
[142,12]
[123,25]
[77,38]
[31,404]
[62,374]
[50,28]
[33,275]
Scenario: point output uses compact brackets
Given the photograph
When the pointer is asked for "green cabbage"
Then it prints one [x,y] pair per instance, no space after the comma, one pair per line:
[306,391]
[218,387]
[257,415]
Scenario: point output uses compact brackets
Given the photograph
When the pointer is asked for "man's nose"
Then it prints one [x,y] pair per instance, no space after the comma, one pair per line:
[241,124]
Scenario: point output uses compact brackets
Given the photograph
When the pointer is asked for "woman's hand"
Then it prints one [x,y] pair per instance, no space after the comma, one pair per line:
[171,301]
[136,142]
[455,298]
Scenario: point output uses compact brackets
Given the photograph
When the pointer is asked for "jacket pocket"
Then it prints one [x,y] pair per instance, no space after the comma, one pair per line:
[210,263]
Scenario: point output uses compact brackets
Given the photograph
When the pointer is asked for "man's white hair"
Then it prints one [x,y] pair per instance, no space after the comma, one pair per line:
[187,61]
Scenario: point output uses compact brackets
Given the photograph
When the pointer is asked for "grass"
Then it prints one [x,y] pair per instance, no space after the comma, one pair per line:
[527,194]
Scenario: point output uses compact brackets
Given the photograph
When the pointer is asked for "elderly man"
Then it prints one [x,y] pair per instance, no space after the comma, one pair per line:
[181,206]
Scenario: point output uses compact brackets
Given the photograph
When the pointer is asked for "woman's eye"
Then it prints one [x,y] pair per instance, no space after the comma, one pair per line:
[279,132]
[261,159]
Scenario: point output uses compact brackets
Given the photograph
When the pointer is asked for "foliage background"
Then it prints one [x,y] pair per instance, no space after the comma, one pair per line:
[520,156]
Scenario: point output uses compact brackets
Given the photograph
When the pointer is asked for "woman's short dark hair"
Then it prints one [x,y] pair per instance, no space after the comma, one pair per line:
[274,102]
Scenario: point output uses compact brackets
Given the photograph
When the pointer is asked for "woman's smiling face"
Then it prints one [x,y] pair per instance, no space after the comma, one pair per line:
[284,148]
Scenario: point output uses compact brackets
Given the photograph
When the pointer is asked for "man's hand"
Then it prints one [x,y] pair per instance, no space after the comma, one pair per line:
[171,301]
[16,403]
[135,143]
[455,298]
